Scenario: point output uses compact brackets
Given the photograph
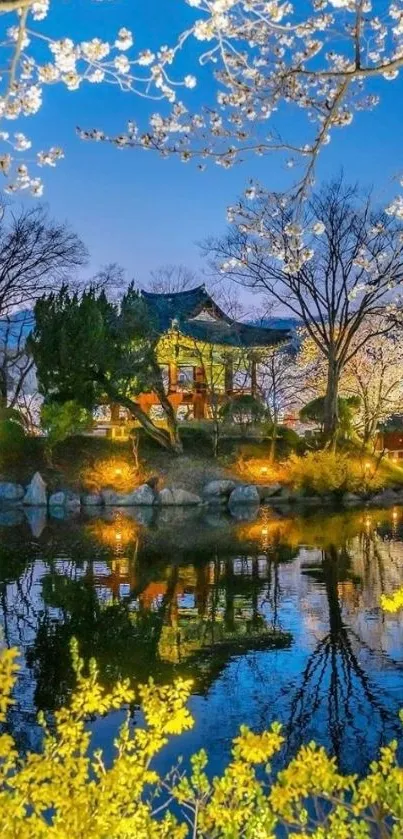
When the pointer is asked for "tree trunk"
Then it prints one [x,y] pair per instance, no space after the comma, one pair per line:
[331,412]
[162,437]
[273,442]
[3,388]
[216,437]
[172,424]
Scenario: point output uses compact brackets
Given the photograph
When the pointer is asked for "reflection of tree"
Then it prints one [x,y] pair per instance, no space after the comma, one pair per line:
[335,690]
[161,641]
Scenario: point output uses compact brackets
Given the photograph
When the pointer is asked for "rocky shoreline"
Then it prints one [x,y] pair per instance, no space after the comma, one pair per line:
[223,494]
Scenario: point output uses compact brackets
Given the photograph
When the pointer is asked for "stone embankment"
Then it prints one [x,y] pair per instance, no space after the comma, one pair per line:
[221,494]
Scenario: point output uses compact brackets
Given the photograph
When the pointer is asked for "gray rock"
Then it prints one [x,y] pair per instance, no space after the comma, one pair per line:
[245,512]
[59,513]
[350,499]
[37,519]
[109,497]
[143,495]
[269,490]
[57,499]
[218,489]
[11,492]
[65,498]
[383,499]
[92,499]
[244,495]
[35,495]
[170,497]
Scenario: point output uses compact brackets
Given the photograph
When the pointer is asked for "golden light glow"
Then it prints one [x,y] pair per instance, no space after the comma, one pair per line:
[114,473]
[258,469]
[115,534]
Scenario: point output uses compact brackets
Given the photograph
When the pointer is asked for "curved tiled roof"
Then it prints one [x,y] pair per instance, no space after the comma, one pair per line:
[183,306]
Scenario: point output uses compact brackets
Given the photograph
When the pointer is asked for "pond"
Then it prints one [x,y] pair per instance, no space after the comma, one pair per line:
[274,618]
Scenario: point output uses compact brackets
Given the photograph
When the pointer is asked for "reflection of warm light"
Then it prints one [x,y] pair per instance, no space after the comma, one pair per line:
[368,522]
[118,472]
[265,531]
[395,515]
[115,534]
[367,465]
[264,471]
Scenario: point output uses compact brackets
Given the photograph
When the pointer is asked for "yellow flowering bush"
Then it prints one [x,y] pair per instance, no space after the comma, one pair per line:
[394,602]
[67,791]
[323,472]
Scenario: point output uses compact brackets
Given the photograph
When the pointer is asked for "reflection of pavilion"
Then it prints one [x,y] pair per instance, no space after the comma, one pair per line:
[199,606]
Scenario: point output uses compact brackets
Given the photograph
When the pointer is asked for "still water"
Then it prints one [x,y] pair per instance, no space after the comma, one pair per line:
[274,618]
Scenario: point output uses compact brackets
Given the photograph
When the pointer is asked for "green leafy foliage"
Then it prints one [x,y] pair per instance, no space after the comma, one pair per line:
[243,410]
[12,436]
[61,420]
[314,411]
[93,351]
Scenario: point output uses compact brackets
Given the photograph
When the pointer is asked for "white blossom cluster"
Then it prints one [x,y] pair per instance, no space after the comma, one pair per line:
[320,57]
[266,232]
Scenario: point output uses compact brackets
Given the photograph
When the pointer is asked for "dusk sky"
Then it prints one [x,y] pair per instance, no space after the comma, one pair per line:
[134,208]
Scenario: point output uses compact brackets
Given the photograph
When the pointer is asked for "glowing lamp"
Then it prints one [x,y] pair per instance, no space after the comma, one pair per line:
[264,471]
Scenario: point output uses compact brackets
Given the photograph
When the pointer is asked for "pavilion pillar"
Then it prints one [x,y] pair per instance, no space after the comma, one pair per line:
[173,377]
[199,397]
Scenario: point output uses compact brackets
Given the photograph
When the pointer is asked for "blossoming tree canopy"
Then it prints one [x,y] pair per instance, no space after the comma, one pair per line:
[320,56]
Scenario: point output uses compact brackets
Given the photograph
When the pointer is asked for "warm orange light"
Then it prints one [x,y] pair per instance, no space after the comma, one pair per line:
[367,465]
[264,471]
[395,515]
[115,534]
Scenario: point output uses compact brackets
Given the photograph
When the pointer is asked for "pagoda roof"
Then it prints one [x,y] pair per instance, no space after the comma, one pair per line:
[196,315]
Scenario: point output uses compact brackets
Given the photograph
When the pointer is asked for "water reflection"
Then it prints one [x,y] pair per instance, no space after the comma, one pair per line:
[277,618]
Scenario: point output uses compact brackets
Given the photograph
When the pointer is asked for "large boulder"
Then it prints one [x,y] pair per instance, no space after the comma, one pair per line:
[143,495]
[173,496]
[386,498]
[11,492]
[218,490]
[244,495]
[65,498]
[92,499]
[269,490]
[245,512]
[35,495]
[37,519]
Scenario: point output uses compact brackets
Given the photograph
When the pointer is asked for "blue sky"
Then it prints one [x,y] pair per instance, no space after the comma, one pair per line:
[141,211]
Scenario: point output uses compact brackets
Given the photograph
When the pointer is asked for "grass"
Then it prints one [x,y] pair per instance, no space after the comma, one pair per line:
[89,463]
